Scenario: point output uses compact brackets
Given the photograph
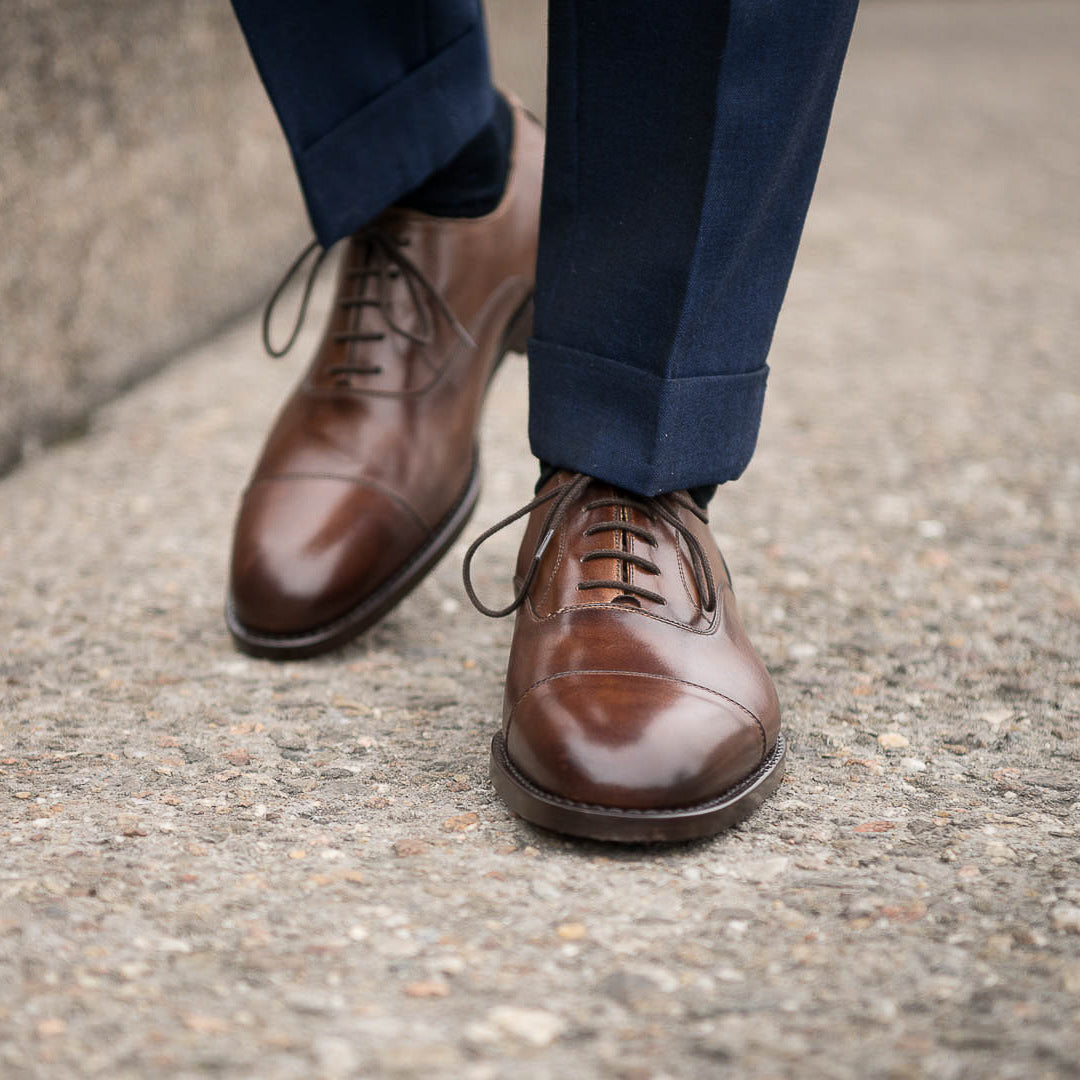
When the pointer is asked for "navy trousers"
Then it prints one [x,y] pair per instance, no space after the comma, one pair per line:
[683,141]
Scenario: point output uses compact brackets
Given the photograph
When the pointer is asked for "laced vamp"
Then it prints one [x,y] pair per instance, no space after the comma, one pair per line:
[377,257]
[653,508]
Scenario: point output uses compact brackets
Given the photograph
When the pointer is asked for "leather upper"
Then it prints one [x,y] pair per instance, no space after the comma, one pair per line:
[376,445]
[619,700]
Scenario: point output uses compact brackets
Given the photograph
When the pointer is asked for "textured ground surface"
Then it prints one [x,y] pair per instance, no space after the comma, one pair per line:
[145,192]
[133,136]
[213,866]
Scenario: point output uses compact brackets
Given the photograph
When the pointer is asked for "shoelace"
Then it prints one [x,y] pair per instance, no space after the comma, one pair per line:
[562,497]
[380,256]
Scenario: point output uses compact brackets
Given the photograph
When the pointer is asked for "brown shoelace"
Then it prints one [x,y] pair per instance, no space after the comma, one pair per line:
[562,497]
[379,256]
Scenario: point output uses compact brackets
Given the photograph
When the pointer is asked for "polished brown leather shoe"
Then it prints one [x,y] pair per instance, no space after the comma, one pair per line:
[370,471]
[635,707]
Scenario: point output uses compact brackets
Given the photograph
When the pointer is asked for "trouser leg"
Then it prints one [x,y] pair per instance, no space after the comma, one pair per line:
[373,97]
[683,144]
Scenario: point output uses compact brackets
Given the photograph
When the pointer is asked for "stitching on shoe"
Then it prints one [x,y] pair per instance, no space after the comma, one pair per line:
[356,481]
[554,570]
[708,631]
[641,675]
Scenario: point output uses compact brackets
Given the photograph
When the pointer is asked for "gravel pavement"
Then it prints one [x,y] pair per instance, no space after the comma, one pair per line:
[217,866]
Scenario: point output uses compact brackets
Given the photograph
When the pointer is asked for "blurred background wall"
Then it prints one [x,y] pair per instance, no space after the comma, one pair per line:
[146,195]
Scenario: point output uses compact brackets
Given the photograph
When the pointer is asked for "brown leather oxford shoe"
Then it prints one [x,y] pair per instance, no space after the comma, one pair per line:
[635,707]
[370,471]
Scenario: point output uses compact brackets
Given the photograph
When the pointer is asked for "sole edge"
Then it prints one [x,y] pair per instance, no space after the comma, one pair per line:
[674,825]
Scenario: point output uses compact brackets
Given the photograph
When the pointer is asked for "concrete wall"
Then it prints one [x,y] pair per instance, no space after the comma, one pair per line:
[146,195]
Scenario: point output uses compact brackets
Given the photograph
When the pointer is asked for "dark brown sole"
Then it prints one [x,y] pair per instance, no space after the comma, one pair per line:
[372,608]
[634,826]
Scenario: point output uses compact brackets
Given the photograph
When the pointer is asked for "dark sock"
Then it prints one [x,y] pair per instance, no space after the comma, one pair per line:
[546,473]
[472,184]
[701,495]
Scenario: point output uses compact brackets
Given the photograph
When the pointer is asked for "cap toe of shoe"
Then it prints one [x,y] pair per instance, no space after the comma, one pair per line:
[632,741]
[306,550]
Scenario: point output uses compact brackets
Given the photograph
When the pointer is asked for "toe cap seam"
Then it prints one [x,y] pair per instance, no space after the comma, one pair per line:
[642,675]
[356,481]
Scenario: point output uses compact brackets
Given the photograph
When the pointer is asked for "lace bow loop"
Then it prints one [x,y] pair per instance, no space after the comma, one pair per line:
[275,296]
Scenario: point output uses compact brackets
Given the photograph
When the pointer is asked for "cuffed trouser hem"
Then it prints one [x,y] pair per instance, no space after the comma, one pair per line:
[373,158]
[635,429]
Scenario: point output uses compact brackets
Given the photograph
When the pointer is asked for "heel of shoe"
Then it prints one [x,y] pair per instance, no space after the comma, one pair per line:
[520,329]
